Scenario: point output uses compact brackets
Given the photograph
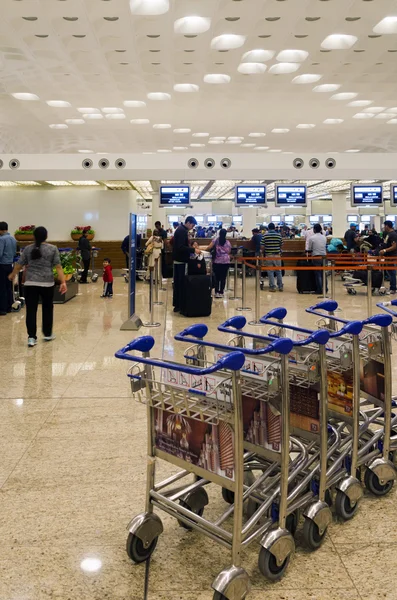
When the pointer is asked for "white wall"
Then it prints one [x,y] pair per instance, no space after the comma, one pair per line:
[59,210]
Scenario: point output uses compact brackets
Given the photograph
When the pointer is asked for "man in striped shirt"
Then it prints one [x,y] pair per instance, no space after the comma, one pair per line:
[271,245]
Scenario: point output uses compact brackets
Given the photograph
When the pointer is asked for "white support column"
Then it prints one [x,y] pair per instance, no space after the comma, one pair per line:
[249,221]
[378,222]
[339,214]
[158,214]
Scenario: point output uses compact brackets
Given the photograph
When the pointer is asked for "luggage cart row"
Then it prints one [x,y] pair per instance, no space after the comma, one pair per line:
[283,425]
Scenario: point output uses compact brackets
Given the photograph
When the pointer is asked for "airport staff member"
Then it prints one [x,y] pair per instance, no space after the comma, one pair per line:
[8,249]
[318,247]
[390,250]
[181,251]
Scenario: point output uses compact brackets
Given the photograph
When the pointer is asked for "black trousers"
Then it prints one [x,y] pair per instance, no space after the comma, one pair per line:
[6,296]
[179,282]
[86,263]
[220,272]
[107,288]
[32,295]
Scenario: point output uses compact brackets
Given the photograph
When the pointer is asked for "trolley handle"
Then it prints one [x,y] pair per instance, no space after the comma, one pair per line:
[232,361]
[279,345]
[331,305]
[320,336]
[385,306]
[380,320]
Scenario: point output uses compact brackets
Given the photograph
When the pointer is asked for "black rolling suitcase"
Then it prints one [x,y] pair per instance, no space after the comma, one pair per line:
[197,299]
[305,280]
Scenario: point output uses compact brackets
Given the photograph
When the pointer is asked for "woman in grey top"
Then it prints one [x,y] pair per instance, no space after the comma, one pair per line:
[40,259]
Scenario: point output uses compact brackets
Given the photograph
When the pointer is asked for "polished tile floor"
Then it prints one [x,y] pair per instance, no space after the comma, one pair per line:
[72,471]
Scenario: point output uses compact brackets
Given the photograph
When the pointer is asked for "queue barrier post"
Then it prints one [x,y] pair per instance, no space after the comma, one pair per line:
[324,277]
[156,283]
[243,290]
[235,297]
[256,321]
[369,291]
[152,322]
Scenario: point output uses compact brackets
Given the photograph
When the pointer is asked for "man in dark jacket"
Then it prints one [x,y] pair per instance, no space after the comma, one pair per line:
[181,251]
[85,250]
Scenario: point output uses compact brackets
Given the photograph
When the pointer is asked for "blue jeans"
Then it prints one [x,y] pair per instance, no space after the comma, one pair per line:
[270,274]
[319,276]
[393,283]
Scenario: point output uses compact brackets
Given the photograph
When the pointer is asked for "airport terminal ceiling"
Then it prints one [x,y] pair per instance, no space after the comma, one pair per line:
[247,76]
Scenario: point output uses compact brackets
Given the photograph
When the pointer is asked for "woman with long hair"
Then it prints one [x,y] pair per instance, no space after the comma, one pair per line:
[39,259]
[221,261]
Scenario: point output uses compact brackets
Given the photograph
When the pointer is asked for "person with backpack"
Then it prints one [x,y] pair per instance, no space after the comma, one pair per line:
[39,260]
[221,261]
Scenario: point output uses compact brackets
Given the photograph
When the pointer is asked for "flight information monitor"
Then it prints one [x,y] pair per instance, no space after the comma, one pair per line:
[250,195]
[290,195]
[366,195]
[393,195]
[175,195]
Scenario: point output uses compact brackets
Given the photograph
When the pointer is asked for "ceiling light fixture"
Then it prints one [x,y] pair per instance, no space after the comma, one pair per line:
[75,121]
[392,110]
[274,150]
[374,109]
[339,42]
[326,87]
[392,122]
[363,115]
[182,130]
[358,103]
[258,56]
[161,126]
[305,126]
[332,121]
[158,96]
[117,116]
[180,148]
[261,147]
[256,135]
[59,103]
[216,142]
[382,116]
[344,96]
[93,116]
[86,151]
[134,104]
[227,41]
[283,68]
[186,87]
[192,25]
[251,68]
[201,135]
[197,145]
[58,126]
[149,8]
[88,111]
[353,150]
[248,145]
[139,121]
[25,96]
[217,78]
[386,26]
[111,110]
[291,56]
[280,130]
[306,78]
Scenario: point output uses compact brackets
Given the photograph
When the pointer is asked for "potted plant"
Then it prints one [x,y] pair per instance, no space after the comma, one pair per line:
[25,233]
[77,232]
[68,263]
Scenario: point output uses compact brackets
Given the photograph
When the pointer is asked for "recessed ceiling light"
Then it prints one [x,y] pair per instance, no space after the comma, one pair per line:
[392,110]
[201,135]
[392,122]
[382,116]
[280,130]
[197,145]
[183,130]
[251,68]
[149,8]
[326,87]
[161,126]
[112,110]
[227,41]
[87,111]
[374,109]
[58,126]
[75,121]
[305,126]
[274,150]
[218,137]
[158,96]
[86,151]
[164,151]
[248,145]
[292,56]
[358,103]
[192,25]
[344,96]
[233,141]
[256,134]
[339,42]
[139,121]
[93,116]
[217,78]
[134,103]
[261,147]
[186,87]
[116,117]
[25,96]
[284,68]
[353,150]
[216,142]
[307,78]
[180,148]
[59,103]
[235,137]
[386,26]
[258,56]
[363,115]
[333,121]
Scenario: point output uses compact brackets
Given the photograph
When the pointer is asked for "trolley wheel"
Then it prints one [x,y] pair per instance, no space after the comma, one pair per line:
[267,564]
[136,550]
[343,507]
[292,521]
[311,534]
[17,309]
[382,292]
[354,292]
[94,278]
[197,510]
[349,291]
[22,301]
[228,497]
[373,484]
[219,596]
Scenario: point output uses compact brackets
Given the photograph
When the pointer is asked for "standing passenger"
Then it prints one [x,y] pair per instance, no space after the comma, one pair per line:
[8,249]
[271,244]
[85,250]
[221,261]
[318,247]
[181,251]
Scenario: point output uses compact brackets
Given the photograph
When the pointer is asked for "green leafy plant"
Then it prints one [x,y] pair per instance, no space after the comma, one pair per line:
[25,230]
[79,229]
[68,261]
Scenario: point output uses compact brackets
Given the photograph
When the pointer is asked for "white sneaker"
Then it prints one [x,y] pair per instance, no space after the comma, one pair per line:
[32,342]
[49,338]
